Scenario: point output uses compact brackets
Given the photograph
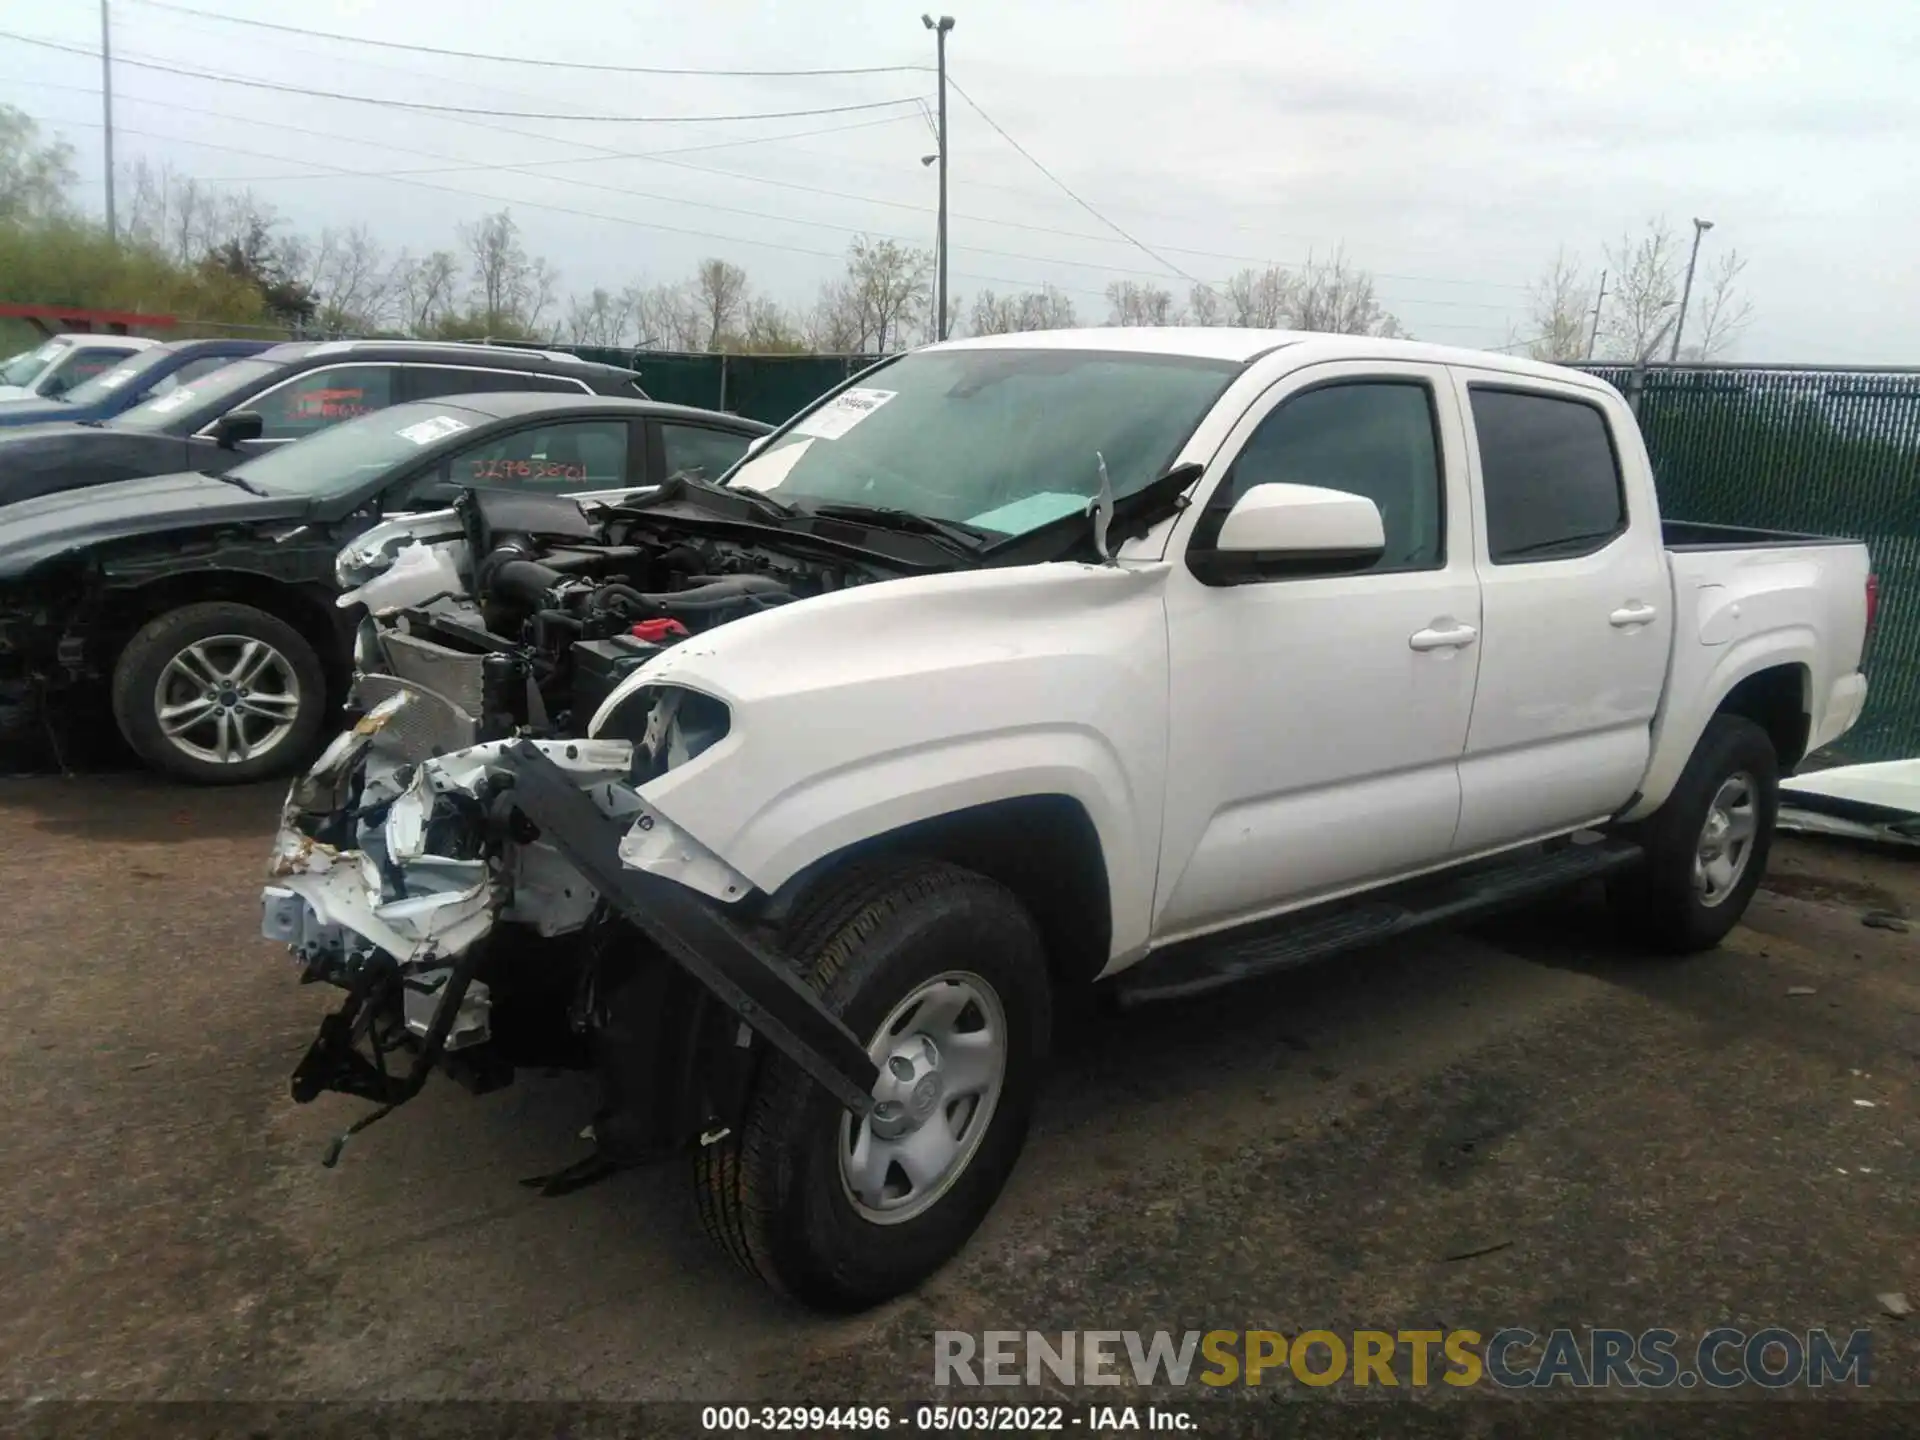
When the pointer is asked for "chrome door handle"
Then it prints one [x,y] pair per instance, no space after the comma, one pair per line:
[1631,615]
[1450,639]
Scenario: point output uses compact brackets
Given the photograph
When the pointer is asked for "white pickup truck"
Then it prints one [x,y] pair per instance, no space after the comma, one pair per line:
[1153,658]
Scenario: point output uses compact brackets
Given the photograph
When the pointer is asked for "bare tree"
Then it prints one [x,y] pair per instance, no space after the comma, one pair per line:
[1261,299]
[883,294]
[1335,298]
[596,319]
[424,289]
[769,330]
[348,273]
[1205,306]
[1724,311]
[1644,291]
[721,290]
[1560,312]
[1043,309]
[35,175]
[1133,303]
[511,290]
[665,317]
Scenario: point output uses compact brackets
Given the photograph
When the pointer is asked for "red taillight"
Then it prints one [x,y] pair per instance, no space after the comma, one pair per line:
[1873,604]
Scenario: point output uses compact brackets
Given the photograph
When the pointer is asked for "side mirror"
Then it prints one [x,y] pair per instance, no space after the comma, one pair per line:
[1300,530]
[237,426]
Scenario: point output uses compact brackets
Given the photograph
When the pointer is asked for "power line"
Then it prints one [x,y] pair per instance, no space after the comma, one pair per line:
[408,176]
[1068,190]
[522,60]
[431,109]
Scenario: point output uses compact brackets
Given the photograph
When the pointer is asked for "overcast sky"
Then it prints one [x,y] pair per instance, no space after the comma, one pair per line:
[1450,147]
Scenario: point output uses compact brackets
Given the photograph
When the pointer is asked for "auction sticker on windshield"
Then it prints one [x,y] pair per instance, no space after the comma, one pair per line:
[428,431]
[170,402]
[114,379]
[842,413]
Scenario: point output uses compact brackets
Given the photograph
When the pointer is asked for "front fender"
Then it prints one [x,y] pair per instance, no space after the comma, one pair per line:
[859,712]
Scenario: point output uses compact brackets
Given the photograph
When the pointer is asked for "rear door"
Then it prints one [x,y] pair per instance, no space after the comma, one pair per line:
[1575,612]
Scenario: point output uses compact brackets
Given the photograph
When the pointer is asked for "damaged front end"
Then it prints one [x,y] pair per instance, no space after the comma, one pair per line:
[492,891]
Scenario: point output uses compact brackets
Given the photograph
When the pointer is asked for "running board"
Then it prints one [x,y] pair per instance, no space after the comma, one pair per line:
[1212,962]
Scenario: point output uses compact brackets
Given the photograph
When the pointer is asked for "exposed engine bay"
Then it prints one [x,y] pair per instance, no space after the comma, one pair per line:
[529,611]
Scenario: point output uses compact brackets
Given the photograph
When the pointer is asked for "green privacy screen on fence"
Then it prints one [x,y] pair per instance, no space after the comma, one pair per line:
[761,387]
[1832,451]
[1781,447]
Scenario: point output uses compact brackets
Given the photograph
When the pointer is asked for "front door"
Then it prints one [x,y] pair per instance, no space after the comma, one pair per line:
[1577,612]
[1316,723]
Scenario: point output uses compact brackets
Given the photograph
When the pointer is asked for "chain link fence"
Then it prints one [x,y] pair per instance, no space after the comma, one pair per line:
[1832,451]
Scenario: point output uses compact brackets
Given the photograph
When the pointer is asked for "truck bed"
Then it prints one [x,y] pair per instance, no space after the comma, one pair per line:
[1693,535]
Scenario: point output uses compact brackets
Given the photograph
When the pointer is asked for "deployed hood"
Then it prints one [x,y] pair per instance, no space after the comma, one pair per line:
[37,530]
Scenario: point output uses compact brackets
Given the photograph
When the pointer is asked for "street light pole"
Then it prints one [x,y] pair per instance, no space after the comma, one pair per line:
[940,28]
[1700,227]
[106,104]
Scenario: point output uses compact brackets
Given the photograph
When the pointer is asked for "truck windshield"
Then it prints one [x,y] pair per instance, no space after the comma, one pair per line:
[344,457]
[163,411]
[1004,440]
[129,371]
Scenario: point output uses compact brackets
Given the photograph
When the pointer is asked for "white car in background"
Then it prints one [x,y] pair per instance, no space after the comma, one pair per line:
[50,370]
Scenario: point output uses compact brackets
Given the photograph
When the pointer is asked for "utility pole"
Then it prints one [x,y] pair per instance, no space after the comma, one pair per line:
[1593,335]
[106,104]
[940,28]
[1700,227]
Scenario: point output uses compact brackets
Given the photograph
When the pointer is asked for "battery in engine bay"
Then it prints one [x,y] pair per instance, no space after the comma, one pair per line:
[600,665]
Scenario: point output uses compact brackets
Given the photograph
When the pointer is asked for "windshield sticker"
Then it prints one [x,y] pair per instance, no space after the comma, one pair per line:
[114,379]
[766,470]
[1030,513]
[170,402]
[842,413]
[425,432]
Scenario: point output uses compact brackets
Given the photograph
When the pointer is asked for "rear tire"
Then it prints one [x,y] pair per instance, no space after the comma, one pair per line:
[220,678]
[807,1198]
[1707,846]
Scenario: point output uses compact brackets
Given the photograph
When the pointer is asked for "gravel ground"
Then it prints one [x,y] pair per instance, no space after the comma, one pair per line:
[1523,1125]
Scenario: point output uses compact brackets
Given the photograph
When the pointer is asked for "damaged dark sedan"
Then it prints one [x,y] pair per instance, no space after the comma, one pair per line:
[204,609]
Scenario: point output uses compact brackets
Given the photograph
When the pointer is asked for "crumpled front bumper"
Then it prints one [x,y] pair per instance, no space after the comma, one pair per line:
[389,876]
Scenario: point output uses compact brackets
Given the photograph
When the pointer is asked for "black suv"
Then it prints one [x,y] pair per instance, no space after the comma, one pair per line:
[271,399]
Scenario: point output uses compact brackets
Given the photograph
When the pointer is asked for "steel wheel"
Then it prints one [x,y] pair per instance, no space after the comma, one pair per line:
[942,1054]
[1726,839]
[227,699]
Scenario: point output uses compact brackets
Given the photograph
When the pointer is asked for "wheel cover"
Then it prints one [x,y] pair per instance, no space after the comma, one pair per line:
[942,1054]
[227,699]
[1726,839]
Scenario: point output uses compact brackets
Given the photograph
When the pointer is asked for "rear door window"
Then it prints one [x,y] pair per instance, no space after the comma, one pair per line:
[320,398]
[700,451]
[1549,474]
[557,459]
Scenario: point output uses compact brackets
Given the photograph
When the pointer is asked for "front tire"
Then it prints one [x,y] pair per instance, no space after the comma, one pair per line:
[220,693]
[1707,846]
[943,973]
